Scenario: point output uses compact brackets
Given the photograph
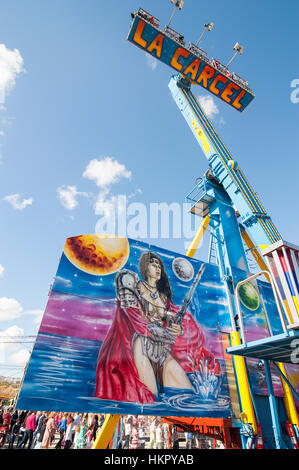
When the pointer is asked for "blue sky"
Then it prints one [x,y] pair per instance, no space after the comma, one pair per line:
[73,91]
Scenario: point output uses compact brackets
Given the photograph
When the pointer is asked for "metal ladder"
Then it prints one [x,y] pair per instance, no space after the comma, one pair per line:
[212,257]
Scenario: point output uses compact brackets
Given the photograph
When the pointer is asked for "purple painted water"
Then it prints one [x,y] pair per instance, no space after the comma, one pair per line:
[77,316]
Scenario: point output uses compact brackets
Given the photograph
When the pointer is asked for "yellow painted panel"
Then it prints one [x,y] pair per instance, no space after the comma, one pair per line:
[106,432]
[244,391]
[201,136]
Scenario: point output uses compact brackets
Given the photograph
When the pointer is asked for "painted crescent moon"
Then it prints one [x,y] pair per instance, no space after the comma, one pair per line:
[97,254]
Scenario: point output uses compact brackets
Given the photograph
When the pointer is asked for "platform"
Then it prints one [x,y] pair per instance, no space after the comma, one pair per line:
[278,348]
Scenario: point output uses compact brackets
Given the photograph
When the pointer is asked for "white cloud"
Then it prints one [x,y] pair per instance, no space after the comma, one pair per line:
[11,350]
[10,309]
[132,195]
[114,204]
[106,172]
[19,358]
[1,271]
[11,65]
[68,196]
[17,203]
[9,337]
[2,133]
[37,313]
[209,106]
[151,62]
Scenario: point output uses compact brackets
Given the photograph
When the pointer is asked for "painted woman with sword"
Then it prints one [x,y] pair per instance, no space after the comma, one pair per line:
[152,344]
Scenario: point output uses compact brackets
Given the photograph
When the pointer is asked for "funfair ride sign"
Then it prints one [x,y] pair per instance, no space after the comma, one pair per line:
[199,70]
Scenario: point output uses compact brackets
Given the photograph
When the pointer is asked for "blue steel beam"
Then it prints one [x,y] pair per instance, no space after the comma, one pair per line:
[225,169]
[273,409]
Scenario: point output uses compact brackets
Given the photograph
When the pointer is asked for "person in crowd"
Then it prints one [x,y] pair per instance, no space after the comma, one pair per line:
[49,432]
[21,433]
[76,433]
[134,436]
[141,435]
[128,429]
[57,418]
[81,441]
[153,434]
[159,436]
[135,420]
[165,432]
[7,416]
[62,425]
[189,437]
[38,425]
[14,418]
[89,433]
[15,429]
[76,427]
[92,430]
[102,419]
[29,430]
[4,430]
[69,433]
[22,416]
[205,444]
[95,426]
[176,442]
[40,435]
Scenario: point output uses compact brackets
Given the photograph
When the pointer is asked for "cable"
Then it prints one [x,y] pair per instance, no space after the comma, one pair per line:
[16,342]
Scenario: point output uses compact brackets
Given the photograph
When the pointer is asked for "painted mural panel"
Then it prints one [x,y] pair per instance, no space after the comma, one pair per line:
[130,328]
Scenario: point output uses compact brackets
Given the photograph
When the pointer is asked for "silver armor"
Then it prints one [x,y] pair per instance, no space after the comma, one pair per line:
[126,288]
[157,347]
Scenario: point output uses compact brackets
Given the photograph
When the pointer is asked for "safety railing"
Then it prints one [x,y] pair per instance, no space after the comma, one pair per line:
[148,17]
[197,192]
[241,81]
[200,53]
[222,68]
[174,35]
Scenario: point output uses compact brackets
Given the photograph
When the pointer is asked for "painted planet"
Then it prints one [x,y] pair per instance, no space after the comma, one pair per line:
[97,254]
[183,269]
[249,297]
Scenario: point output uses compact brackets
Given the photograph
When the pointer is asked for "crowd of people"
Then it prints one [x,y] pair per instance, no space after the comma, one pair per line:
[137,428]
[40,430]
[150,432]
[43,430]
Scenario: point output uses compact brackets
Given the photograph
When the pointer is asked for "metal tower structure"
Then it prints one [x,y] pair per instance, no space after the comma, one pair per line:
[228,203]
[236,218]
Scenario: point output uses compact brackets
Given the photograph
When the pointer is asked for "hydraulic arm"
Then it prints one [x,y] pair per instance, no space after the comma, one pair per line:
[252,213]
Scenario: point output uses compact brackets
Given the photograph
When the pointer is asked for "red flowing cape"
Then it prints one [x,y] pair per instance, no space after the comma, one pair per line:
[117,376]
